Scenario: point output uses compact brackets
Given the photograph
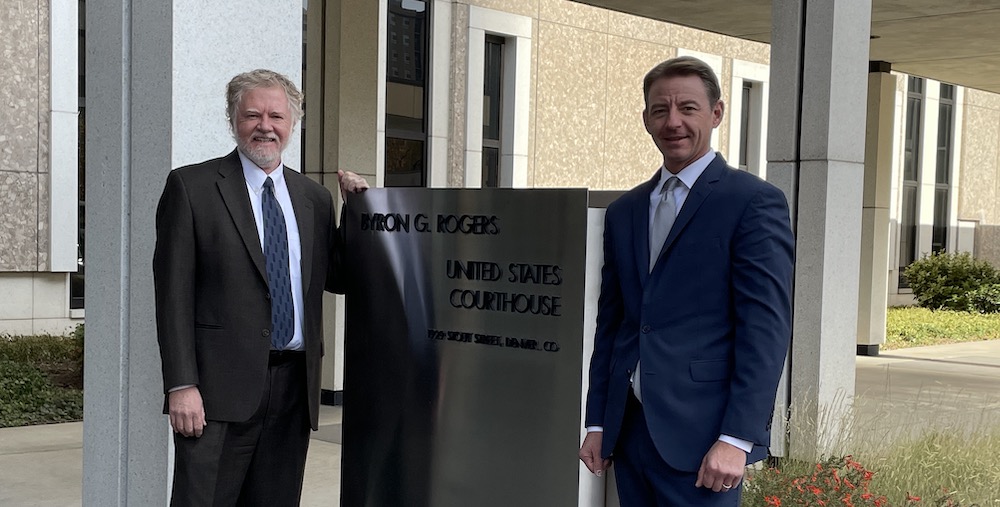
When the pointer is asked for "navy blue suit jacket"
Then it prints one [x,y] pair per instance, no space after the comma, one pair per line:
[713,318]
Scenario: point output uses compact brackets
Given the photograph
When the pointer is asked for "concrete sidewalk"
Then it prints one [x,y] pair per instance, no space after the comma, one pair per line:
[910,389]
[42,466]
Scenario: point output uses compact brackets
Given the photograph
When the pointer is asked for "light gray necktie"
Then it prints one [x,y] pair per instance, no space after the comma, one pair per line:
[663,220]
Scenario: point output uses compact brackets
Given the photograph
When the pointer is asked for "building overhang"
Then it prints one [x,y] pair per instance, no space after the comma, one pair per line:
[956,41]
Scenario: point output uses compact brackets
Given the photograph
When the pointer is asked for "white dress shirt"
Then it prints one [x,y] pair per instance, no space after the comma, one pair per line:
[255,177]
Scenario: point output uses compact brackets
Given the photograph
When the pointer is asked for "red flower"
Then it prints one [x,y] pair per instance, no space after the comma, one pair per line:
[912,498]
[773,500]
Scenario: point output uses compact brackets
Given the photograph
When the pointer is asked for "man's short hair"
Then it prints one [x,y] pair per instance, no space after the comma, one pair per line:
[683,66]
[261,78]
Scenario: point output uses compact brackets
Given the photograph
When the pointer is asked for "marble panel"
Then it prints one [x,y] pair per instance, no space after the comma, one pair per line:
[750,51]
[726,86]
[50,296]
[459,85]
[977,186]
[533,94]
[19,86]
[631,156]
[639,28]
[43,221]
[44,86]
[19,228]
[988,244]
[17,300]
[570,106]
[522,7]
[980,98]
[698,40]
[567,12]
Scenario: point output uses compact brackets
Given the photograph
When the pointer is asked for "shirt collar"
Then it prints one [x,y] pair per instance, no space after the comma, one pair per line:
[690,174]
[255,176]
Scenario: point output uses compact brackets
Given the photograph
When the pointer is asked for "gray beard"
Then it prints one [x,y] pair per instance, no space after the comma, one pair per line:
[260,157]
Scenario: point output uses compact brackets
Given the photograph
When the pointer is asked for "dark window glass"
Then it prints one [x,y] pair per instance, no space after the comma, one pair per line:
[907,231]
[404,162]
[745,125]
[406,94]
[491,167]
[492,109]
[76,287]
[76,280]
[939,234]
[942,173]
[911,172]
[912,141]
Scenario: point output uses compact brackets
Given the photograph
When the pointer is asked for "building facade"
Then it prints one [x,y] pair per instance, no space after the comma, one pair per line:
[560,106]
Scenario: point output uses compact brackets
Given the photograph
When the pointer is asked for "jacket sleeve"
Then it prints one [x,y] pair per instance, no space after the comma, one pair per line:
[762,269]
[335,275]
[609,317]
[174,268]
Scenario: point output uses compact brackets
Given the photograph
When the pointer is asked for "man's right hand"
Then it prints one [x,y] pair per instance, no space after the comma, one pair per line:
[187,412]
[590,453]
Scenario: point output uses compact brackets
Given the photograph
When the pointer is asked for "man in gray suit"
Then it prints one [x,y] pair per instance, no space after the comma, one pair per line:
[245,249]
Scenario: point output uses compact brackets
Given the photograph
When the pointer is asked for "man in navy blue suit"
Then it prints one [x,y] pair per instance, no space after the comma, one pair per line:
[694,316]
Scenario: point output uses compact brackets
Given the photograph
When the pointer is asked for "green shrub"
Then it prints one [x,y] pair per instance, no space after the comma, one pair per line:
[944,280]
[41,348]
[28,397]
[985,299]
[918,327]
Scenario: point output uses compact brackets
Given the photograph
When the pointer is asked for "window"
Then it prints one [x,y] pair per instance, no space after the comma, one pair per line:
[76,280]
[745,124]
[747,105]
[406,94]
[492,109]
[942,173]
[911,178]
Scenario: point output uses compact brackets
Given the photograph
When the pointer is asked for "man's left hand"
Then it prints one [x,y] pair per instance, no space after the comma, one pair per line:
[350,183]
[722,468]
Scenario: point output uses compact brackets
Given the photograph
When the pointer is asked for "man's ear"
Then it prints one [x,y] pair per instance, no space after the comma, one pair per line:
[717,110]
[645,121]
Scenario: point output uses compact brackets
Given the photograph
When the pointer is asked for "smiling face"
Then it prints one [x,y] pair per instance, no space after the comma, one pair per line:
[263,124]
[680,119]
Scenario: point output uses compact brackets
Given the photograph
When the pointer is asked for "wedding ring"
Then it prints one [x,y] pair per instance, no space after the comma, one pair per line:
[726,486]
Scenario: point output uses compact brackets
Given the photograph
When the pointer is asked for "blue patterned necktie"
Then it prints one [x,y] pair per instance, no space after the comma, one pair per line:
[278,278]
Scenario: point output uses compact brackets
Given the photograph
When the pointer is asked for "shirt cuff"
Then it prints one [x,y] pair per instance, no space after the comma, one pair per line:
[178,388]
[745,445]
[595,429]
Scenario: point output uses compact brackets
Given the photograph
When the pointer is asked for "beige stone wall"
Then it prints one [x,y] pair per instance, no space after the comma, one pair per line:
[586,89]
[979,180]
[24,135]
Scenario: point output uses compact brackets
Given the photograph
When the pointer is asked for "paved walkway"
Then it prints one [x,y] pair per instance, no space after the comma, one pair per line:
[952,385]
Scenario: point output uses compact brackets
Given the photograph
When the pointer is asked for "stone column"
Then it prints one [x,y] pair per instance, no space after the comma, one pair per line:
[819,55]
[156,76]
[873,293]
[346,125]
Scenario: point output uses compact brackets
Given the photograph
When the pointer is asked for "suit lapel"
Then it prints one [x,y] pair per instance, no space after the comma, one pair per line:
[640,227]
[304,217]
[701,190]
[233,188]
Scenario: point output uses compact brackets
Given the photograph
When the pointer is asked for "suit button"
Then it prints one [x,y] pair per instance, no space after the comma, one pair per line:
[265,333]
[646,329]
[267,296]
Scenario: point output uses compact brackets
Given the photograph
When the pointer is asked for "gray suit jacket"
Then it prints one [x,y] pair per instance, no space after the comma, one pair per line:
[213,312]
